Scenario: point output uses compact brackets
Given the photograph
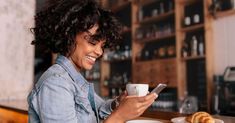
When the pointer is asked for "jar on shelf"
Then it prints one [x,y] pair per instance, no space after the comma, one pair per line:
[187,21]
[196,18]
[154,12]
[171,50]
[162,51]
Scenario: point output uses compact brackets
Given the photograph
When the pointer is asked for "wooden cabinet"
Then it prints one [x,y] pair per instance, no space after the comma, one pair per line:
[155,72]
[141,73]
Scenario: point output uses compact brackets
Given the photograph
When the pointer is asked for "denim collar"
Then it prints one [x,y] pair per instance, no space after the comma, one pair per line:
[75,75]
[79,79]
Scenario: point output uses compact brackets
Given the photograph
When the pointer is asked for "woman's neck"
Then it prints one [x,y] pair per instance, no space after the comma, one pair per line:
[76,67]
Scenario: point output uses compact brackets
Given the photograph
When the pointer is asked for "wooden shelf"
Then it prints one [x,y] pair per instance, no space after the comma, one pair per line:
[120,6]
[147,2]
[189,2]
[193,28]
[118,60]
[193,58]
[225,13]
[156,39]
[155,60]
[158,17]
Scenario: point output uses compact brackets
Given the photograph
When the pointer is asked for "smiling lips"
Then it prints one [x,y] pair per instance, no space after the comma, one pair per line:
[91,59]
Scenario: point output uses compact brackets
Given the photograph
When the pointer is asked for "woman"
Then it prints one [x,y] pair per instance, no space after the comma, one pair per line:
[77,30]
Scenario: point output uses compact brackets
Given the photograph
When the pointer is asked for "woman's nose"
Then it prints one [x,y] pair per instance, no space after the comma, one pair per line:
[99,50]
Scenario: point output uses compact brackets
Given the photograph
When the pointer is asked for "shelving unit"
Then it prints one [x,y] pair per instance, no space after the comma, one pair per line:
[157,40]
[154,48]
[116,64]
[152,40]
[195,70]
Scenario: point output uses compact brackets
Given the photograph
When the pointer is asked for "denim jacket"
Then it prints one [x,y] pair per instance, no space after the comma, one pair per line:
[62,95]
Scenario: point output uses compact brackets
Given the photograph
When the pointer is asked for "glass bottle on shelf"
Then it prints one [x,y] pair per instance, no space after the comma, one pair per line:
[127,52]
[185,50]
[140,14]
[117,54]
[113,93]
[170,5]
[119,91]
[125,78]
[194,43]
[200,46]
[189,105]
[139,34]
[162,10]
[146,55]
[105,55]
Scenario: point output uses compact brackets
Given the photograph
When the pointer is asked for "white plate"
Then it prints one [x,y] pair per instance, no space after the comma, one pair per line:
[143,121]
[182,120]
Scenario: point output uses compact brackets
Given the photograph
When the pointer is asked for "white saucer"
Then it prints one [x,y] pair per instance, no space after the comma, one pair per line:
[143,121]
[182,120]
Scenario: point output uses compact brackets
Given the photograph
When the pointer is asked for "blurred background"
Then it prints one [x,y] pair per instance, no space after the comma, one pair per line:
[187,44]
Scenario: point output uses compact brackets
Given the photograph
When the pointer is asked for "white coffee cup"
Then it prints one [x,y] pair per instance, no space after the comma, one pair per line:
[137,89]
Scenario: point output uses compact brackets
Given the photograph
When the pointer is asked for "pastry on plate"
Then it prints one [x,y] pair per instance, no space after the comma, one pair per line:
[200,117]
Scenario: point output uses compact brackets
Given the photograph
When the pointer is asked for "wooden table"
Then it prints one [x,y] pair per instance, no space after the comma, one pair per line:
[14,111]
[166,117]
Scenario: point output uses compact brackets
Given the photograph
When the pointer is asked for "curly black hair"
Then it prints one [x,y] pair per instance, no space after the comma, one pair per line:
[58,24]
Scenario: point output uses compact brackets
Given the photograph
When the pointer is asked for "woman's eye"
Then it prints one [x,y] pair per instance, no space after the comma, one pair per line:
[93,42]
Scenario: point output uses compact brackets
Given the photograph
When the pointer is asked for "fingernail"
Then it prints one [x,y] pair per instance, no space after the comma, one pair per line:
[155,95]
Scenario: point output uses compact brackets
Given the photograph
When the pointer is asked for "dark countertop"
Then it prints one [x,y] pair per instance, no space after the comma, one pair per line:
[20,106]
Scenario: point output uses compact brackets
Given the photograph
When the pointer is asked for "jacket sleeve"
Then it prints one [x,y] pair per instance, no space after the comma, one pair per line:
[104,107]
[56,102]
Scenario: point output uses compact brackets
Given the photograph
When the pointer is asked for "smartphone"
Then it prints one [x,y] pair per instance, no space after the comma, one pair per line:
[159,88]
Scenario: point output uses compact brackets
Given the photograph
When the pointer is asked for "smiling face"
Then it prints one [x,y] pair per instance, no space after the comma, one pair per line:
[87,50]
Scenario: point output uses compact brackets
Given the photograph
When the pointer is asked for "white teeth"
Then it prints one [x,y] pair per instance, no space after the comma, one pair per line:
[91,58]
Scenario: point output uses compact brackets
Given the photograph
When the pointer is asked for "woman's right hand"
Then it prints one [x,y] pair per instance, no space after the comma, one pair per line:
[132,106]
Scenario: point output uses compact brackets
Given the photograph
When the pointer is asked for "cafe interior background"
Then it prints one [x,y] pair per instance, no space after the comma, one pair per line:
[187,44]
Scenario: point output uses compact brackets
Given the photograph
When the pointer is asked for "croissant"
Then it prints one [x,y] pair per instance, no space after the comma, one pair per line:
[200,117]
